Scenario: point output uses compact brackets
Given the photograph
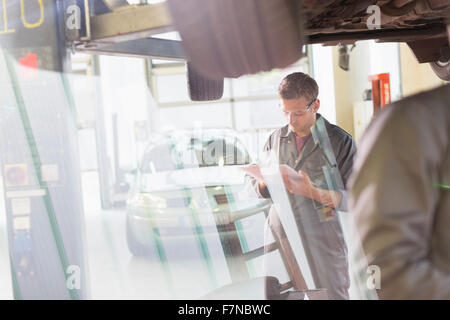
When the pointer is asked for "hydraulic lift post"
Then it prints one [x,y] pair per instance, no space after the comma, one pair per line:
[39,154]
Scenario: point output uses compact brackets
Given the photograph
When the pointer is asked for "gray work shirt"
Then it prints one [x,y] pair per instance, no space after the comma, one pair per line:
[321,233]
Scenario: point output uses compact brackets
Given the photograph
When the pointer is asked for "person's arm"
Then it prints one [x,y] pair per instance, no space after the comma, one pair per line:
[394,201]
[327,197]
[344,158]
[300,183]
[263,190]
[336,199]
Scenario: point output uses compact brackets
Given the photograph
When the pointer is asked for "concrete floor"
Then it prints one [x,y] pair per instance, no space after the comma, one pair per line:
[114,273]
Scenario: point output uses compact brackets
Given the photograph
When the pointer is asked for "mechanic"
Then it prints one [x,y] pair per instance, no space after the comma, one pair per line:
[313,203]
[400,196]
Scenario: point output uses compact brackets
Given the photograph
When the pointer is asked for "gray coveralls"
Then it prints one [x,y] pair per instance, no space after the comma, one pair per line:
[323,239]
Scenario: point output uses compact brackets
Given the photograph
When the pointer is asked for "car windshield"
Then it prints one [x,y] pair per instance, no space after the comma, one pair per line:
[182,152]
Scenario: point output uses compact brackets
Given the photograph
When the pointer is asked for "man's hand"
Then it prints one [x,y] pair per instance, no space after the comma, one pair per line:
[300,183]
[297,182]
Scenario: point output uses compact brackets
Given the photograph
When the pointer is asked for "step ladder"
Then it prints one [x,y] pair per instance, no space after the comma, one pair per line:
[237,256]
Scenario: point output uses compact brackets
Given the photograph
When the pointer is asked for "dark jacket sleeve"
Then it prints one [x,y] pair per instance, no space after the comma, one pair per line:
[345,152]
[344,158]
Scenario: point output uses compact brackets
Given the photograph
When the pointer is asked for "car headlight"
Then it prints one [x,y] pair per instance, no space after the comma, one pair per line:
[148,200]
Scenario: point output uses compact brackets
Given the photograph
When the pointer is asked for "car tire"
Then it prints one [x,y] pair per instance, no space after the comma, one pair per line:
[441,69]
[135,247]
[202,88]
[391,10]
[113,4]
[231,38]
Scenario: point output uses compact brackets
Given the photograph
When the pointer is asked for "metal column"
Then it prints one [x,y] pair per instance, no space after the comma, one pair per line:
[39,154]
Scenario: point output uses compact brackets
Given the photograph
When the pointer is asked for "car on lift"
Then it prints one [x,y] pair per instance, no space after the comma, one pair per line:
[233,38]
[260,29]
[189,184]
[418,23]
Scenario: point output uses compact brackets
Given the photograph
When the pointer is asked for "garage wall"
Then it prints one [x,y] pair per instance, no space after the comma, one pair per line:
[368,58]
[416,77]
[350,85]
[322,68]
[344,95]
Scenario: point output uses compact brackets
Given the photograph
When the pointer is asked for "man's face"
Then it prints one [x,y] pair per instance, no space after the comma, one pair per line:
[300,118]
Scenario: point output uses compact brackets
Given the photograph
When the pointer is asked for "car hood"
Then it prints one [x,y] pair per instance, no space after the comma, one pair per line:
[190,178]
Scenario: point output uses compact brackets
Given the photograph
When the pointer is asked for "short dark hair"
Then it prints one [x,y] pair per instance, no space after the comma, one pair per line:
[298,84]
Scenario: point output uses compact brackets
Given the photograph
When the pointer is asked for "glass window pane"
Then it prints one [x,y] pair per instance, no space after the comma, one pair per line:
[258,114]
[172,88]
[265,83]
[205,115]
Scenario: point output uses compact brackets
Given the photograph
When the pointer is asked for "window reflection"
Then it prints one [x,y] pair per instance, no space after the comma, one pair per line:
[160,214]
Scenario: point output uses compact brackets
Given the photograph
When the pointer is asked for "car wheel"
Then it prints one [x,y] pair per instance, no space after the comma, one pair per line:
[441,69]
[113,4]
[234,37]
[202,88]
[135,247]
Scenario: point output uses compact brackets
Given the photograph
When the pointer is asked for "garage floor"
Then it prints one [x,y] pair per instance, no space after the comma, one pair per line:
[114,273]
